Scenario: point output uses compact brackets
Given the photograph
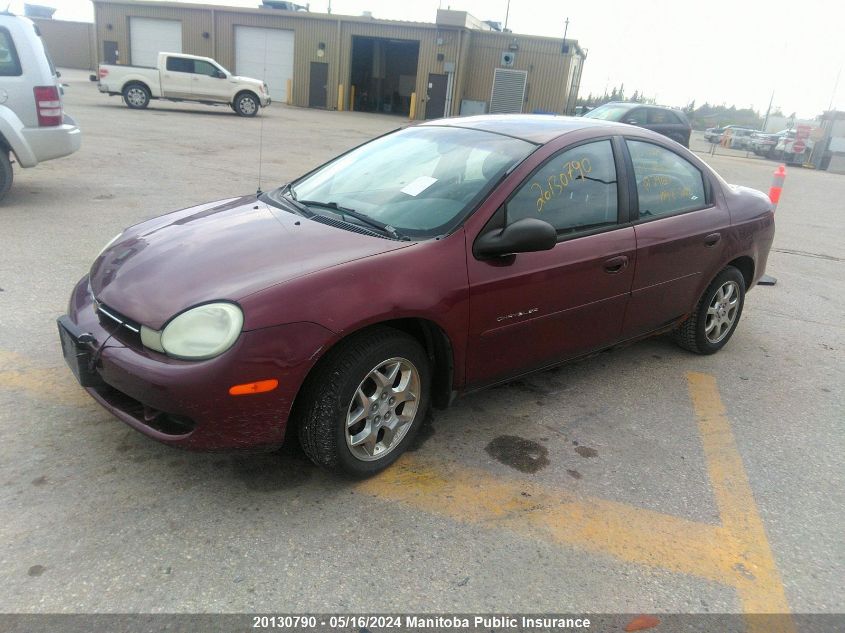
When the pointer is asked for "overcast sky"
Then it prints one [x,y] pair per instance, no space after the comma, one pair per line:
[734,53]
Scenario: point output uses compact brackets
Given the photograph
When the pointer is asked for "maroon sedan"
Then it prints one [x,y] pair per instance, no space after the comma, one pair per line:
[432,261]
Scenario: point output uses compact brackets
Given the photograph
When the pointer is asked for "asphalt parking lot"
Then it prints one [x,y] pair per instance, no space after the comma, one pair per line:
[645,480]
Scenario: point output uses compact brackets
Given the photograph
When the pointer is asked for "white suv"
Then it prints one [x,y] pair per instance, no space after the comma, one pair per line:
[33,125]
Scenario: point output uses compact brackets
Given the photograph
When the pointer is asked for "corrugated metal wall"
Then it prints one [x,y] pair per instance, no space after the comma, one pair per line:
[112,23]
[547,67]
[71,44]
[475,53]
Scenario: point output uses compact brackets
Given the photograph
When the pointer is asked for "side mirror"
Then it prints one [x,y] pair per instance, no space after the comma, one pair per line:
[631,121]
[523,236]
[220,74]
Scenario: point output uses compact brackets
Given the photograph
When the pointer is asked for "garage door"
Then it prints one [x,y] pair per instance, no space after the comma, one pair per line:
[265,54]
[148,37]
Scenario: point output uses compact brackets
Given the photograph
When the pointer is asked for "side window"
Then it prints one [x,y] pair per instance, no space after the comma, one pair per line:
[180,65]
[573,190]
[636,116]
[204,68]
[10,65]
[660,117]
[666,183]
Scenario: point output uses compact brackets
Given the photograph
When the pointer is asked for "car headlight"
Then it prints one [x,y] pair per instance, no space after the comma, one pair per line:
[106,247]
[202,332]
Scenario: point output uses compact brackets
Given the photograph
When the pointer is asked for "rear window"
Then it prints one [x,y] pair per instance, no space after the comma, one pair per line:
[10,65]
[180,64]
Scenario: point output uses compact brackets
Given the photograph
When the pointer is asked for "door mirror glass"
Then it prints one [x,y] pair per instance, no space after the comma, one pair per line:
[523,236]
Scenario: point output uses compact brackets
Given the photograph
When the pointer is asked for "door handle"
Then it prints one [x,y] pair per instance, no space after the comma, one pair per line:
[711,240]
[616,264]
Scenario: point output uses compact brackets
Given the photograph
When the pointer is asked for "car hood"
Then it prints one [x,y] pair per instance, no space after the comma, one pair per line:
[222,250]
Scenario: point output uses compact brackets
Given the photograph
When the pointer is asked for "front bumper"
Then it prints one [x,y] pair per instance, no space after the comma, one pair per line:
[265,101]
[187,403]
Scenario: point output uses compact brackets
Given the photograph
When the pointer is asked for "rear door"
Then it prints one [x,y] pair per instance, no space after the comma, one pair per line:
[681,230]
[176,77]
[667,123]
[530,310]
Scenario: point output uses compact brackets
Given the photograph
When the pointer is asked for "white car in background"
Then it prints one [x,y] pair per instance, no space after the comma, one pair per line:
[33,125]
[181,77]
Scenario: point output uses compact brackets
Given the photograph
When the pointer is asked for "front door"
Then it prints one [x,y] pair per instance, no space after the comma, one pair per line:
[681,235]
[435,106]
[207,84]
[530,310]
[318,85]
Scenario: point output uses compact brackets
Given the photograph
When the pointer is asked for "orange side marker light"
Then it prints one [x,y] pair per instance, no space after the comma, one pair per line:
[249,388]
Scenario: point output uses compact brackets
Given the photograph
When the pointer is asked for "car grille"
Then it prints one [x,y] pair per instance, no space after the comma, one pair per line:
[119,326]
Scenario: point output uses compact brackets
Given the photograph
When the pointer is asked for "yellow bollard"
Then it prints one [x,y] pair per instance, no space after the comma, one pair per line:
[288,88]
[413,113]
[340,97]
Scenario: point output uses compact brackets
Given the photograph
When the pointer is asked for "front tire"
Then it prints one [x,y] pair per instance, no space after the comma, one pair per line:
[716,316]
[363,404]
[6,173]
[136,96]
[246,104]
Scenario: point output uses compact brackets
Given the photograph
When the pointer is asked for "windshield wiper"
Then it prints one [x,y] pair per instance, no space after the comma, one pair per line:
[372,222]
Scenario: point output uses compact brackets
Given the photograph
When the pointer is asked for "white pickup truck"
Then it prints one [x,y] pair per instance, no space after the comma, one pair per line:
[181,77]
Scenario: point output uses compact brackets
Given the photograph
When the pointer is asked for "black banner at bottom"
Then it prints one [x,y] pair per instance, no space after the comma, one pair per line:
[422,622]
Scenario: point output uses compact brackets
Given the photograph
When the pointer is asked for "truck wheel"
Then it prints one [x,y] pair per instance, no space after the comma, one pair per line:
[6,173]
[246,104]
[716,316]
[136,96]
[364,402]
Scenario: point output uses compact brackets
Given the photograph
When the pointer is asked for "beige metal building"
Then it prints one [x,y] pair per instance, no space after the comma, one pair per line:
[71,44]
[458,65]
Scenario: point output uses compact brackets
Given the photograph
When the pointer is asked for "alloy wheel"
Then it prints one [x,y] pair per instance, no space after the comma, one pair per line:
[382,409]
[722,312]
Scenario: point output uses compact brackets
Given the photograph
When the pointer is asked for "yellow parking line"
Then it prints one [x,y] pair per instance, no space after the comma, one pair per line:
[735,553]
[628,533]
[759,584]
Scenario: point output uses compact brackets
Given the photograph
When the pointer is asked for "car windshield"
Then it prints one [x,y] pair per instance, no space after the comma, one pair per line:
[608,112]
[420,181]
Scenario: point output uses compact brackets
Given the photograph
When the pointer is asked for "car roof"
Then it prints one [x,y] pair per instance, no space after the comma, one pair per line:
[637,104]
[534,128]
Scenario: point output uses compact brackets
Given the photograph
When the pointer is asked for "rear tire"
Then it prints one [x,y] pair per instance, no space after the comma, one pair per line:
[6,173]
[363,404]
[716,316]
[246,104]
[136,96]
